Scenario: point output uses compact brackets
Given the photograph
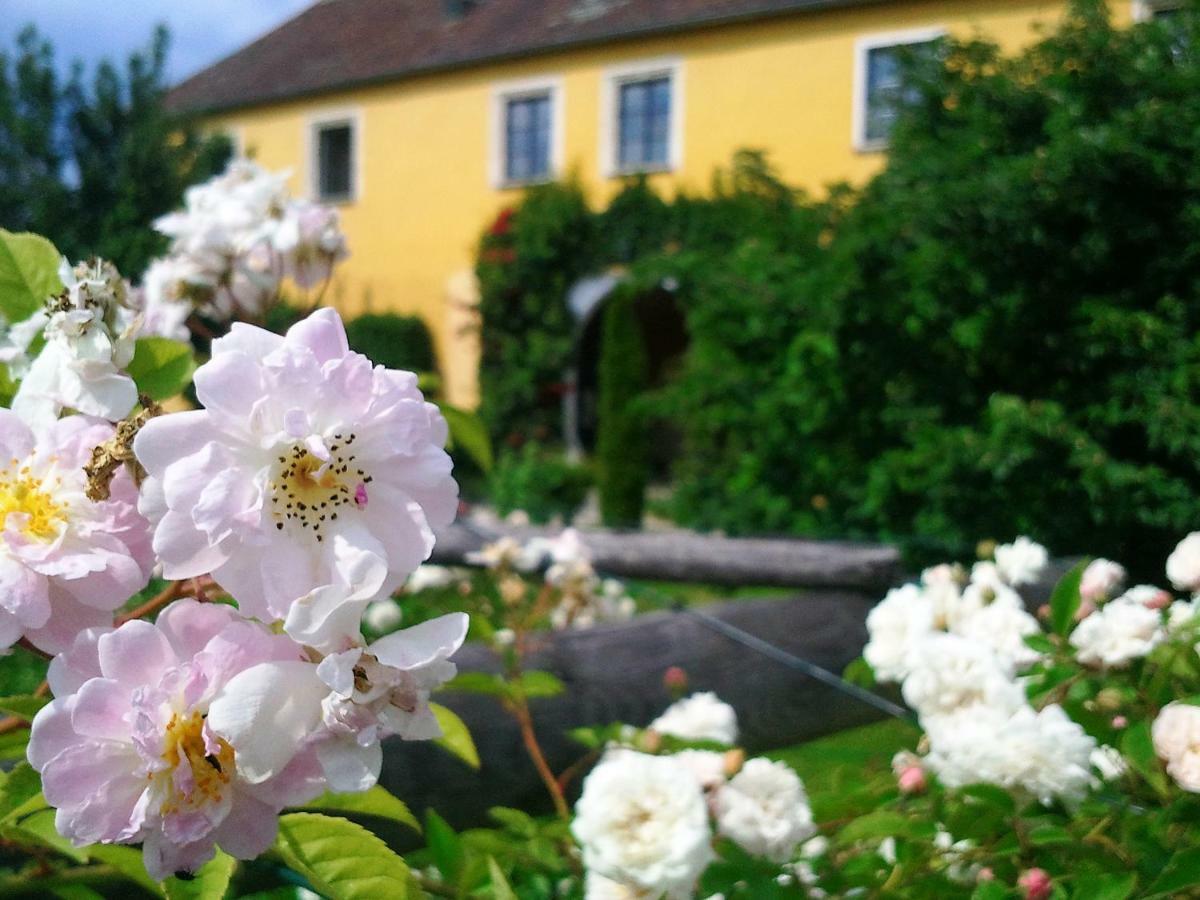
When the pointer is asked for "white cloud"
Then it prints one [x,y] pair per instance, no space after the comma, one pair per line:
[202,31]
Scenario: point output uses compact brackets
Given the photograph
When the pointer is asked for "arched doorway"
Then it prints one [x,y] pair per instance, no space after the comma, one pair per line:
[664,332]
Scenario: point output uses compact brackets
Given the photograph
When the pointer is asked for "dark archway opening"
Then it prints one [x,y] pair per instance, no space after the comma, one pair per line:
[664,332]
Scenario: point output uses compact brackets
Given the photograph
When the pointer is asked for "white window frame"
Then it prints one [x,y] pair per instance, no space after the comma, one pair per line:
[502,93]
[862,52]
[1144,10]
[643,70]
[353,117]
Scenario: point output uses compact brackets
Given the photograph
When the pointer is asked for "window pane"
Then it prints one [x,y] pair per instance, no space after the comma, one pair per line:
[527,138]
[334,156]
[886,91]
[644,123]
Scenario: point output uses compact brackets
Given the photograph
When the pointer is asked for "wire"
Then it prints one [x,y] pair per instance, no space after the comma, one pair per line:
[792,661]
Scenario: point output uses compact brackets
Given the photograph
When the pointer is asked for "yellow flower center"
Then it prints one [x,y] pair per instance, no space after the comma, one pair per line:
[21,492]
[308,491]
[210,772]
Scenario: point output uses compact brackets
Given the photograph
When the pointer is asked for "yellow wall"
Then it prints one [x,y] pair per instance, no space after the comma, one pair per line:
[784,85]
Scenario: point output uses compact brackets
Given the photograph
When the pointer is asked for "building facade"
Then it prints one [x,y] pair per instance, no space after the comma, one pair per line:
[422,119]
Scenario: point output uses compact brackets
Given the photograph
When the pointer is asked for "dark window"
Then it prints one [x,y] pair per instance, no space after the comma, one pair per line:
[644,124]
[887,94]
[527,138]
[335,156]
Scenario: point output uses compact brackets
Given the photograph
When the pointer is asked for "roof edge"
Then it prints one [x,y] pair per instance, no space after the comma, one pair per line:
[699,24]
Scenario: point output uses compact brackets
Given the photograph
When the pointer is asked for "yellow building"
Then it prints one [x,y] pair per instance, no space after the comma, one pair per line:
[423,119]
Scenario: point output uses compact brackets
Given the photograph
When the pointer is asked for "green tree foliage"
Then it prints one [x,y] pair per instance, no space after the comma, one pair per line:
[395,341]
[539,481]
[622,443]
[94,162]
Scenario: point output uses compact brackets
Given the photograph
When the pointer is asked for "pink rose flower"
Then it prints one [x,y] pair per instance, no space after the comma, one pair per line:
[66,562]
[309,485]
[342,707]
[1036,884]
[126,754]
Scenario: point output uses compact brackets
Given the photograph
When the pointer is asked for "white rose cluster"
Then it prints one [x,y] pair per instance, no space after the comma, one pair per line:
[956,644]
[238,237]
[647,823]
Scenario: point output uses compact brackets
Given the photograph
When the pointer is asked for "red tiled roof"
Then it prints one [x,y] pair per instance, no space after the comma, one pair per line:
[338,43]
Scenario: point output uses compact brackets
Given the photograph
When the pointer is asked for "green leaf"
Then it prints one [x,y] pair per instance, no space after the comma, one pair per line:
[1138,747]
[501,889]
[514,820]
[1183,871]
[539,684]
[990,890]
[377,801]
[28,274]
[13,744]
[456,737]
[468,432]
[1111,887]
[1065,600]
[128,862]
[444,846]
[24,706]
[38,829]
[340,859]
[211,882]
[161,368]
[20,785]
[1050,835]
[478,683]
[879,824]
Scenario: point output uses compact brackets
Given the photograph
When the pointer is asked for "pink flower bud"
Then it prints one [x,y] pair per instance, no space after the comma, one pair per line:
[1119,722]
[911,780]
[1043,612]
[985,874]
[1036,883]
[1161,600]
[1086,608]
[675,680]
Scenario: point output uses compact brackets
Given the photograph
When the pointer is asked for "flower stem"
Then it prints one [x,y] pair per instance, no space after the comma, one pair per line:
[161,599]
[520,711]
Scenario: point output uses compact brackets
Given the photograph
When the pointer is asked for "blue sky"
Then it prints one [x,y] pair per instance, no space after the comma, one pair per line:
[202,31]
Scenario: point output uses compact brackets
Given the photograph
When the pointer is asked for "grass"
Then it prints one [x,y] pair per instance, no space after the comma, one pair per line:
[836,768]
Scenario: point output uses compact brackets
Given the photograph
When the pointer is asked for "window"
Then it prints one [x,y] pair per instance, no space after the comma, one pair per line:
[880,92]
[527,138]
[527,132]
[334,160]
[644,124]
[641,131]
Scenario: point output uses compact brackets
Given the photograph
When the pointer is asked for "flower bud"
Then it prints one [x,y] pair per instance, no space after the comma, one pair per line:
[734,760]
[675,680]
[985,874]
[1109,699]
[1086,608]
[650,741]
[1036,884]
[912,780]
[1119,722]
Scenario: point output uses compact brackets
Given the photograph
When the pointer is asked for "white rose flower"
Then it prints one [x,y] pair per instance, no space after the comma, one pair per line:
[707,765]
[1182,614]
[1108,762]
[642,821]
[1117,633]
[764,810]
[15,339]
[1021,562]
[90,330]
[700,717]
[1003,626]
[383,615]
[427,576]
[1040,753]
[1101,579]
[1176,734]
[896,623]
[1183,565]
[949,672]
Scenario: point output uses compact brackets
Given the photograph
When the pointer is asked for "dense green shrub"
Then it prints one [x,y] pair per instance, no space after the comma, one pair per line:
[622,443]
[539,480]
[395,341]
[527,262]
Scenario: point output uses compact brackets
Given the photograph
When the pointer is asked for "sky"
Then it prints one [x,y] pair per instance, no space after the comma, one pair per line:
[202,31]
